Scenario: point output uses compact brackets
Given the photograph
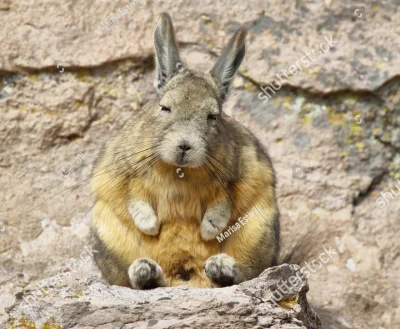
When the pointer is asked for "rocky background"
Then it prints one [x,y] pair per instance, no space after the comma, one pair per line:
[332,131]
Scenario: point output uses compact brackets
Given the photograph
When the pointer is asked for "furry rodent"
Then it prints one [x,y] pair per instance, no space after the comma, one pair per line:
[179,174]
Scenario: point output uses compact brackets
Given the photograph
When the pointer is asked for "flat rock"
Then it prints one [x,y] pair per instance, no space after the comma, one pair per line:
[65,301]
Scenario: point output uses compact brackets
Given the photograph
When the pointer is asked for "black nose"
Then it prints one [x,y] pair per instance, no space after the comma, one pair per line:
[184,147]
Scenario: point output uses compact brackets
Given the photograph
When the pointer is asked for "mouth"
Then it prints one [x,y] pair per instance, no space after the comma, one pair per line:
[186,161]
[182,160]
[189,159]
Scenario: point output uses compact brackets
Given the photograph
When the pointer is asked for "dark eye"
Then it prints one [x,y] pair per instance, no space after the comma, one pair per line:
[212,116]
[165,109]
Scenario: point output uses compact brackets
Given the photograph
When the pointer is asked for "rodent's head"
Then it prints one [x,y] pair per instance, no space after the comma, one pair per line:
[188,118]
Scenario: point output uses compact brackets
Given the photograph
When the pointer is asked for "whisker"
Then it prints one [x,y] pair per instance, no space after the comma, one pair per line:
[123,180]
[83,181]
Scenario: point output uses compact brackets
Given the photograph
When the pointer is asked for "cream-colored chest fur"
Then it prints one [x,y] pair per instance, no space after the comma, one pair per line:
[176,196]
[177,202]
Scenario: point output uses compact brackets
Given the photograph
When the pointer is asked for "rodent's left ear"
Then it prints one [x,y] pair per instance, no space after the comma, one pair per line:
[229,62]
[167,56]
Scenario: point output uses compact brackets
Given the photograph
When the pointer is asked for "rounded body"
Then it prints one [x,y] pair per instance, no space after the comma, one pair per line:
[240,170]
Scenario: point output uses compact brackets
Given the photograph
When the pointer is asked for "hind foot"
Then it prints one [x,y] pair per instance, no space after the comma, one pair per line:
[145,273]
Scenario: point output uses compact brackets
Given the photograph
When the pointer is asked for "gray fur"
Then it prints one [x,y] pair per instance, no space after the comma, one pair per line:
[229,62]
[167,55]
[215,220]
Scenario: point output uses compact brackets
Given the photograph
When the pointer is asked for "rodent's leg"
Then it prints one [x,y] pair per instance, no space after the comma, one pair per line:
[223,270]
[144,217]
[145,273]
[215,219]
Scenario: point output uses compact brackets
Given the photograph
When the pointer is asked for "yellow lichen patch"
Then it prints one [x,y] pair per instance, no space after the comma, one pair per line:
[305,119]
[387,120]
[395,98]
[52,325]
[245,73]
[34,77]
[125,67]
[249,86]
[112,92]
[287,303]
[50,113]
[395,175]
[83,76]
[351,100]
[22,108]
[336,118]
[287,99]
[345,154]
[360,145]
[206,19]
[395,168]
[287,102]
[23,323]
[101,88]
[386,137]
[137,93]
[104,118]
[356,129]
[80,104]
[348,139]
[276,100]
[78,293]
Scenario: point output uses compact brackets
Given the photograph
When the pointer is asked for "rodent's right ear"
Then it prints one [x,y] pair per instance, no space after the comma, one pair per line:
[167,56]
[229,62]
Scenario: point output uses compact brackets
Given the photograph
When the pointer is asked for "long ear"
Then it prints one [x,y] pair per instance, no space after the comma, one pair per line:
[167,56]
[228,63]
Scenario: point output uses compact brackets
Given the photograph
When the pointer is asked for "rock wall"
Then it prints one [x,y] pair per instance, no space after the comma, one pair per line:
[72,72]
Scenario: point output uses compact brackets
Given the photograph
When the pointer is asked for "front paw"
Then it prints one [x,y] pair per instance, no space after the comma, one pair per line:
[214,221]
[222,270]
[144,217]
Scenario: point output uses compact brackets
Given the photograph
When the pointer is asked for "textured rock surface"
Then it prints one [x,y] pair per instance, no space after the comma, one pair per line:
[89,303]
[333,130]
